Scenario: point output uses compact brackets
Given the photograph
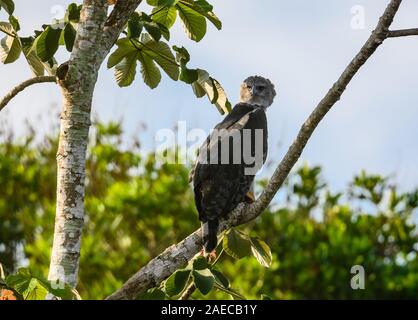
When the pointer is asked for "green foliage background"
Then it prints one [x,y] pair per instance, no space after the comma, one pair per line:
[136,208]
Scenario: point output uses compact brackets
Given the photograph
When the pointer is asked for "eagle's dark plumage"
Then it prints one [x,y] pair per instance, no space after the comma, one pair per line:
[220,183]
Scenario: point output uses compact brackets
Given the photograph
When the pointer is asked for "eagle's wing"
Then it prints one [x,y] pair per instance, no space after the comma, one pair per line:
[220,187]
[236,119]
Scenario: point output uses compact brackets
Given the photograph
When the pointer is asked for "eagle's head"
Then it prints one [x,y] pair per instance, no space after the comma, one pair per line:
[257,90]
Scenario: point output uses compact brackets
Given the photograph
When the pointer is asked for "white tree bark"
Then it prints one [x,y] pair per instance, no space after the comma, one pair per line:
[77,87]
[96,35]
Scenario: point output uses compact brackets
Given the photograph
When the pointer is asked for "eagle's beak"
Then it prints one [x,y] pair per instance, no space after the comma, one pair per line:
[253,90]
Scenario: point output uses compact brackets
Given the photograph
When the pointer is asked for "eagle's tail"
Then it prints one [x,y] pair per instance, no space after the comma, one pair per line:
[209,234]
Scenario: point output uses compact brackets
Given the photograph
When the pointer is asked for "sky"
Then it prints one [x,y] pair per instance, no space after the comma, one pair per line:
[302,47]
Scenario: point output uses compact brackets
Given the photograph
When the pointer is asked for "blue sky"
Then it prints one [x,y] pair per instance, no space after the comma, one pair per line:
[302,46]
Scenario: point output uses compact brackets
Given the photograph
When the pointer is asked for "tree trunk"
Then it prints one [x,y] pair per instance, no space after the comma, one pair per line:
[96,35]
[77,83]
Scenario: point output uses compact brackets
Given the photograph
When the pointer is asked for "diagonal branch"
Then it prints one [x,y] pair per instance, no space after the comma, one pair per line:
[403,33]
[19,88]
[177,255]
[117,20]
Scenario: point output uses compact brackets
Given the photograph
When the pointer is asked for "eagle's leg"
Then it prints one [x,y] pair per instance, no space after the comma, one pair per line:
[210,257]
[250,197]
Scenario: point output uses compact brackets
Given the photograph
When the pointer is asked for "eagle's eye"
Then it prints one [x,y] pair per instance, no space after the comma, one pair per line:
[261,88]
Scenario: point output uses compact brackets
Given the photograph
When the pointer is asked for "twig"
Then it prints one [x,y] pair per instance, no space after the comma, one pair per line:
[188,292]
[403,33]
[177,255]
[19,88]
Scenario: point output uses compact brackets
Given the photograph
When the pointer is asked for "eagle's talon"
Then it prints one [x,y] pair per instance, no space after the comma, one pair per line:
[250,197]
[211,256]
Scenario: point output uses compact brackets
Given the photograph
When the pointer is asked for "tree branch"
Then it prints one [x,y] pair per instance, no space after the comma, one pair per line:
[403,33]
[178,255]
[188,292]
[19,88]
[117,19]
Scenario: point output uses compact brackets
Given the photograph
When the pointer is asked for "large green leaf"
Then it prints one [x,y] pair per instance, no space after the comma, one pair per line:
[236,244]
[73,13]
[221,278]
[176,283]
[8,5]
[200,263]
[47,43]
[69,36]
[36,288]
[213,90]
[34,62]
[125,71]
[261,252]
[26,285]
[154,30]
[10,46]
[203,280]
[165,15]
[162,55]
[125,47]
[10,49]
[194,23]
[203,8]
[150,72]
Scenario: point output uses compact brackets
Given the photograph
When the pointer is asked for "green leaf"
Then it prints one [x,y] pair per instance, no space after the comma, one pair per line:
[213,90]
[203,280]
[69,36]
[65,292]
[261,252]
[153,29]
[125,47]
[73,13]
[188,75]
[153,294]
[34,62]
[25,284]
[150,72]
[162,55]
[176,283]
[198,90]
[135,26]
[221,278]
[265,297]
[10,47]
[8,5]
[164,15]
[47,43]
[236,244]
[205,9]
[15,23]
[125,71]
[152,2]
[182,55]
[164,31]
[194,23]
[200,263]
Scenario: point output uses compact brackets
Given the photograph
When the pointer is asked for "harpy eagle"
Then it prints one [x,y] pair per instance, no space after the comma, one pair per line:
[228,160]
